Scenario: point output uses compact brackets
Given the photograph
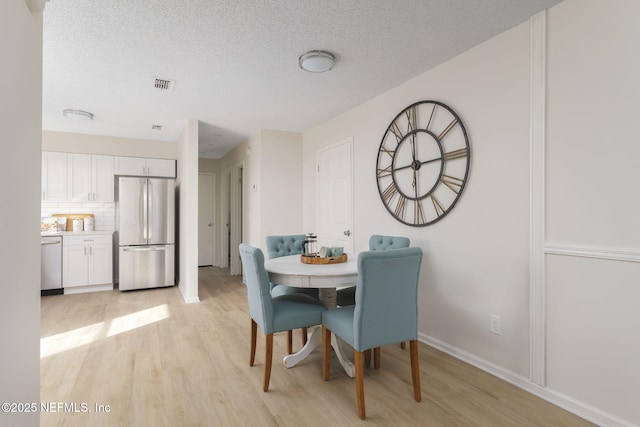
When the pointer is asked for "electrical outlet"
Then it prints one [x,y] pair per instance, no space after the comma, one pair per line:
[494,324]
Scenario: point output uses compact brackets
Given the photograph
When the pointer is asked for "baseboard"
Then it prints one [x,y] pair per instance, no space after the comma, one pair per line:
[188,300]
[568,403]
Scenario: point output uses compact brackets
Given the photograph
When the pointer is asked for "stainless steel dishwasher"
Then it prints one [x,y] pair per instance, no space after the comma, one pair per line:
[51,265]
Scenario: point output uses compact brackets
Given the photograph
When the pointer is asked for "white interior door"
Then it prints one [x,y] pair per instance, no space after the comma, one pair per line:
[206,228]
[335,196]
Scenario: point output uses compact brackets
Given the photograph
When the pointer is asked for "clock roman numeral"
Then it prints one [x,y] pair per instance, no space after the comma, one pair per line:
[431,116]
[447,129]
[436,205]
[411,119]
[418,213]
[401,207]
[396,131]
[455,154]
[452,183]
[389,193]
[382,173]
[383,149]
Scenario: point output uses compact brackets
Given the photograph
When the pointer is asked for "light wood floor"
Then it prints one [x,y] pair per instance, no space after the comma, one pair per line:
[157,361]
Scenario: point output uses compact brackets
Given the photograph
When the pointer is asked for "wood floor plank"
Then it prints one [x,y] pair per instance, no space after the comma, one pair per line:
[157,361]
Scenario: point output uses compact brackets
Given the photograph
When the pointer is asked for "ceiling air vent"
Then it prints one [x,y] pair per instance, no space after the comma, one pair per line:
[164,84]
[156,127]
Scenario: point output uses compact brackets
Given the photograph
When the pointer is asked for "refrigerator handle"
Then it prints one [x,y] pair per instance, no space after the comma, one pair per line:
[145,249]
[145,211]
[150,212]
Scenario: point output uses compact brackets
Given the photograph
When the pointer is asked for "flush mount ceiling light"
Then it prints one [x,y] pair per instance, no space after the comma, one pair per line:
[77,114]
[317,61]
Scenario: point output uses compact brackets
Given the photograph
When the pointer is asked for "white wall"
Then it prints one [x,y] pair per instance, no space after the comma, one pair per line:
[477,258]
[593,171]
[280,185]
[253,191]
[20,121]
[187,182]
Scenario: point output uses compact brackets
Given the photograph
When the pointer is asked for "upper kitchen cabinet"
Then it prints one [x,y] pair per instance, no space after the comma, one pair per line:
[90,178]
[54,176]
[138,166]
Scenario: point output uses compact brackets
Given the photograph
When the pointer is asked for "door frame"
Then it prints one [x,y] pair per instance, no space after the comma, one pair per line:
[215,217]
[232,195]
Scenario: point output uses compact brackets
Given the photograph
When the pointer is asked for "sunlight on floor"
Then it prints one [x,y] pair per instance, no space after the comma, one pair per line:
[91,333]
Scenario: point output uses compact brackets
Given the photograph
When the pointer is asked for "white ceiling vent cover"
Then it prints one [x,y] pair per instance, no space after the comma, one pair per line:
[164,84]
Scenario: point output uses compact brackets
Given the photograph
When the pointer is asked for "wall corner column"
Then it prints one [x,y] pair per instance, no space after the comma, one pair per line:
[537,227]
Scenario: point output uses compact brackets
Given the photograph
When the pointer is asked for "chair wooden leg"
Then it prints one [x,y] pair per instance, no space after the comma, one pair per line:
[367,358]
[326,353]
[268,357]
[376,357]
[289,342]
[252,352]
[403,345]
[357,358]
[304,335]
[415,370]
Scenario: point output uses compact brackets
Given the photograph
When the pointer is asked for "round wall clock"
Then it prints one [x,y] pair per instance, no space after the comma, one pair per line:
[423,163]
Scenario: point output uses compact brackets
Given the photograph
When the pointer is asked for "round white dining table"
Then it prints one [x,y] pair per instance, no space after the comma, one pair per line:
[291,271]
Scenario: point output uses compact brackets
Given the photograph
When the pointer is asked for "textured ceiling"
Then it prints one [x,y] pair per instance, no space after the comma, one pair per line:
[235,63]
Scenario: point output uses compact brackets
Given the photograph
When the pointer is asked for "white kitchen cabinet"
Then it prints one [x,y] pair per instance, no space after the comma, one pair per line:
[161,168]
[90,178]
[79,177]
[87,262]
[138,166]
[54,176]
[102,174]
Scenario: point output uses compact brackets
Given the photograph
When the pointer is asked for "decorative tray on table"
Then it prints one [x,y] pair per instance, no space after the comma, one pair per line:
[311,259]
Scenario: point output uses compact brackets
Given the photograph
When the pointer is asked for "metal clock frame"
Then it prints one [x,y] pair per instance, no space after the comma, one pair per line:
[455,184]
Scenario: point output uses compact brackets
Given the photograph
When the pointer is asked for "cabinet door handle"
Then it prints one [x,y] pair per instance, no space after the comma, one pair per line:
[90,250]
[85,251]
[89,196]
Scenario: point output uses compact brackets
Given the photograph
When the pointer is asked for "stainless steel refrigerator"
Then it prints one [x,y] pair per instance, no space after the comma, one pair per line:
[146,232]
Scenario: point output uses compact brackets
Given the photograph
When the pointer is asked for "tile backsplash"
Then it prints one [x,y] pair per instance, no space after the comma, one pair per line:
[104,214]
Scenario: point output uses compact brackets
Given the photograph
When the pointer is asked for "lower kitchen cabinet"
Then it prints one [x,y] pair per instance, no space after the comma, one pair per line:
[87,263]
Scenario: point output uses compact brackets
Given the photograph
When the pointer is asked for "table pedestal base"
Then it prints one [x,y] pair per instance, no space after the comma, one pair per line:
[314,341]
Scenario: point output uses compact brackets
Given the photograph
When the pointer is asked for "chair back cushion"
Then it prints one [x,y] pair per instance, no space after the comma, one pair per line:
[386,309]
[278,246]
[382,243]
[258,286]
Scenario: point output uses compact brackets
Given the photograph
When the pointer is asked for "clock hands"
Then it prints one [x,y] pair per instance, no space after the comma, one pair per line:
[416,164]
[413,154]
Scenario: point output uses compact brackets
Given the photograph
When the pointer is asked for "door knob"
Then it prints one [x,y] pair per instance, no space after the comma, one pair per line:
[347,233]
[209,225]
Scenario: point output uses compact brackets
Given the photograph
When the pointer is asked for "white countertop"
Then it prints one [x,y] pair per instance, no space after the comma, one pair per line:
[78,233]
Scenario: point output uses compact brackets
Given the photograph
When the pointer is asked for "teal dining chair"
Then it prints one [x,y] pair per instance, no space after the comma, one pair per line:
[347,296]
[382,314]
[279,246]
[273,314]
